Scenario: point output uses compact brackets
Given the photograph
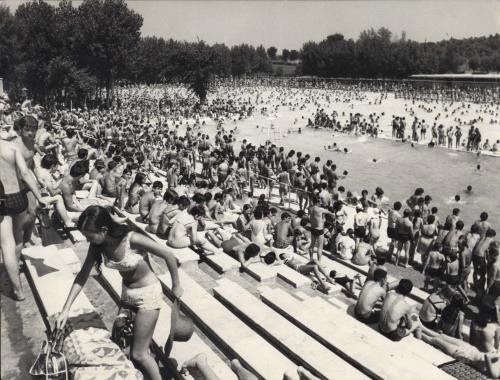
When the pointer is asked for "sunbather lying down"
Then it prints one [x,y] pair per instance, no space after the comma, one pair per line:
[489,363]
[199,368]
[246,252]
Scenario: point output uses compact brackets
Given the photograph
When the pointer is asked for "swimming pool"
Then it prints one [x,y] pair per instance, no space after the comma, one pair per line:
[399,168]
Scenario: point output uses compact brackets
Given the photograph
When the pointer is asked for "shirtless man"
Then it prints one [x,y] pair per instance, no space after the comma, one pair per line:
[12,206]
[392,218]
[397,317]
[483,224]
[26,128]
[489,364]
[185,226]
[69,184]
[148,198]
[284,231]
[317,220]
[70,145]
[404,232]
[479,260]
[493,285]
[432,266]
[450,242]
[485,331]
[162,211]
[372,293]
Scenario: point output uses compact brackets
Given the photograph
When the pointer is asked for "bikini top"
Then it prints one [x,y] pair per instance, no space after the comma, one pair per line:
[130,260]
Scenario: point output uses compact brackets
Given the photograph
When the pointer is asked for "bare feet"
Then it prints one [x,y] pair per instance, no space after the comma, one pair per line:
[18,295]
[241,372]
[304,374]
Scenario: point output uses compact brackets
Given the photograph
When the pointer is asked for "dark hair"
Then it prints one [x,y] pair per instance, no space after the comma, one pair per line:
[197,211]
[379,274]
[459,225]
[170,196]
[456,211]
[93,219]
[251,250]
[450,313]
[79,169]
[25,122]
[397,206]
[82,153]
[269,258]
[258,213]
[491,232]
[483,216]
[285,215]
[404,287]
[70,132]
[183,202]
[111,165]
[431,219]
[48,161]
[139,179]
[157,185]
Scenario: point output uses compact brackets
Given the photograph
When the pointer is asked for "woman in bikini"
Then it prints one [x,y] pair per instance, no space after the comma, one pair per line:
[119,248]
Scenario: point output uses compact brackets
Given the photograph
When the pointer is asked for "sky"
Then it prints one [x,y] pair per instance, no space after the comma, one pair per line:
[289,24]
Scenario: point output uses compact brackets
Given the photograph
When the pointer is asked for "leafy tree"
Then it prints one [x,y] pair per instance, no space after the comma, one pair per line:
[108,34]
[271,52]
[285,54]
[294,55]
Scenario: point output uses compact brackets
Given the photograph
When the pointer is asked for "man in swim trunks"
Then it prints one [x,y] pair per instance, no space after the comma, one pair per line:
[397,317]
[479,260]
[317,220]
[392,218]
[284,232]
[404,232]
[432,266]
[450,242]
[493,285]
[12,205]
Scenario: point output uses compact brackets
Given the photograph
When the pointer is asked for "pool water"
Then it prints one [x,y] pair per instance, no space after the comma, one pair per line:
[398,169]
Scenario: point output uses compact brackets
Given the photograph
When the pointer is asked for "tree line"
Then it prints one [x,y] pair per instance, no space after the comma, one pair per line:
[61,53]
[64,53]
[376,54]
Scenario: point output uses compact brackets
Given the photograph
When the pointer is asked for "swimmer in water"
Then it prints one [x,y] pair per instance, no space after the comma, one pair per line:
[468,190]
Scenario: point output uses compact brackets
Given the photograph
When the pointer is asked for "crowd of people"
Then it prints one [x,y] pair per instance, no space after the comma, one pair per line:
[150,156]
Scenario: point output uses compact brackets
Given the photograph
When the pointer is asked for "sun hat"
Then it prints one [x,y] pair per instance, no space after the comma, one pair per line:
[181,328]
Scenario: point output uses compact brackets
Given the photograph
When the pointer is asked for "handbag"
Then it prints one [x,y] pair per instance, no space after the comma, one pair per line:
[48,233]
[51,361]
[122,332]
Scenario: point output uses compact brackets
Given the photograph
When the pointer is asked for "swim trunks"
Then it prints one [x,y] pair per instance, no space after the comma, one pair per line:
[360,232]
[391,233]
[453,279]
[479,264]
[372,317]
[495,289]
[282,243]
[316,231]
[13,204]
[404,237]
[432,272]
